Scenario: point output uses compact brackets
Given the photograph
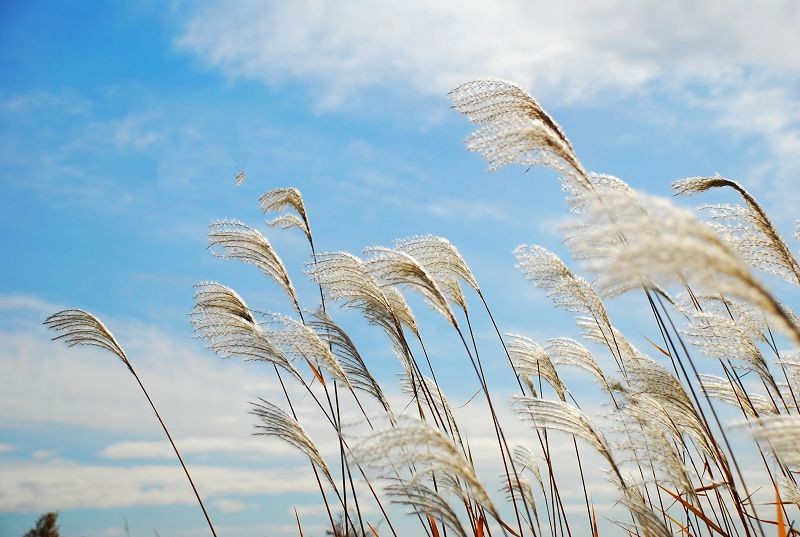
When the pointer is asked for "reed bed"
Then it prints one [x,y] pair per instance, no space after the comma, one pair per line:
[723,345]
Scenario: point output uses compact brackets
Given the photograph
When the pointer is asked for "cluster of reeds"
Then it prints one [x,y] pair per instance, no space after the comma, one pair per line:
[664,441]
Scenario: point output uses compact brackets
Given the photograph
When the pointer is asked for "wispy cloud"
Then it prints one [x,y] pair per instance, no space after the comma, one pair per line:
[43,485]
[228,505]
[238,447]
[408,195]
[26,304]
[566,51]
[733,63]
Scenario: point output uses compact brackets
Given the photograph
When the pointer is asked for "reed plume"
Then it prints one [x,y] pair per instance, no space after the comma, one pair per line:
[277,200]
[531,360]
[414,442]
[442,260]
[514,128]
[397,268]
[231,239]
[748,229]
[275,422]
[225,324]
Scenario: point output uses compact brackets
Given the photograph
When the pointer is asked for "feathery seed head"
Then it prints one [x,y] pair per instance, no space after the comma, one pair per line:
[231,239]
[227,326]
[415,442]
[515,128]
[351,362]
[393,267]
[78,328]
[656,241]
[780,434]
[531,360]
[566,351]
[299,340]
[752,404]
[278,199]
[275,422]
[443,262]
[560,416]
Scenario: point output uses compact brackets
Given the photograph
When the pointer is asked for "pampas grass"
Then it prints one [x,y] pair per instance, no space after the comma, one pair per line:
[660,429]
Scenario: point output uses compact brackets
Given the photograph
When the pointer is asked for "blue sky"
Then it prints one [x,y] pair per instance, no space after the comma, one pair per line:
[122,128]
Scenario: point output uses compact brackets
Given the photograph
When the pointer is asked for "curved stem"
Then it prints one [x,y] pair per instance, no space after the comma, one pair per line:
[174,447]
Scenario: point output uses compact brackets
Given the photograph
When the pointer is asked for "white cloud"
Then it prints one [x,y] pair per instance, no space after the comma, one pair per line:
[734,62]
[250,447]
[63,485]
[227,505]
[465,210]
[43,101]
[27,304]
[44,454]
[393,192]
[135,131]
[564,50]
[5,448]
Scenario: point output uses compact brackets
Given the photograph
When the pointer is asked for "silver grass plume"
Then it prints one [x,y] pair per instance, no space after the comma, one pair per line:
[646,520]
[289,221]
[224,322]
[443,262]
[602,184]
[752,404]
[424,500]
[617,342]
[515,128]
[568,352]
[414,442]
[790,492]
[297,339]
[277,200]
[344,277]
[412,385]
[393,267]
[566,290]
[791,363]
[526,460]
[484,101]
[652,442]
[781,434]
[275,422]
[748,319]
[583,202]
[664,243]
[445,483]
[400,309]
[349,358]
[560,416]
[79,328]
[720,337]
[750,230]
[520,487]
[669,403]
[530,359]
[231,239]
